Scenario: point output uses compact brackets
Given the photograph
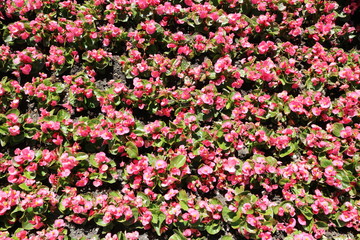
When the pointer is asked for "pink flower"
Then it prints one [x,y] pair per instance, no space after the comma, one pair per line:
[207,99]
[194,215]
[230,163]
[264,47]
[246,207]
[24,155]
[222,64]
[303,236]
[132,235]
[160,164]
[184,50]
[301,220]
[78,220]
[150,27]
[97,183]
[59,223]
[316,111]
[14,130]
[247,169]
[251,219]
[347,216]
[265,236]
[101,158]
[142,4]
[205,170]
[26,69]
[296,106]
[122,130]
[347,132]
[170,194]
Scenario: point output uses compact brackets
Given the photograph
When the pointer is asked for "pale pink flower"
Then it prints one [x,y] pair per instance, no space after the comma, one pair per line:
[160,164]
[170,194]
[132,235]
[230,163]
[14,130]
[194,214]
[303,236]
[205,170]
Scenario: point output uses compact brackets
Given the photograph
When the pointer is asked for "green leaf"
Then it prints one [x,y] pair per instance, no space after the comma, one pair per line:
[324,162]
[322,225]
[345,177]
[228,215]
[13,110]
[158,219]
[99,221]
[132,150]
[145,199]
[24,187]
[62,114]
[271,161]
[81,156]
[4,130]
[177,236]
[184,205]
[227,237]
[306,211]
[291,148]
[177,162]
[27,226]
[182,196]
[213,228]
[337,127]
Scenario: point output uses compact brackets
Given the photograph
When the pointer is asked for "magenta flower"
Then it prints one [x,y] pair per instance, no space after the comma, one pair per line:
[26,69]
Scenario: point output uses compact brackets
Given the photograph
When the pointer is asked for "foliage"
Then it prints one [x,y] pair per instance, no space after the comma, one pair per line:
[189,119]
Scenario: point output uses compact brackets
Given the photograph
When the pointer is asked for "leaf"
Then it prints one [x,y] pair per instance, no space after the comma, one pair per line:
[177,236]
[213,228]
[145,199]
[324,162]
[81,156]
[271,161]
[158,218]
[337,127]
[227,237]
[291,148]
[92,161]
[345,177]
[99,221]
[177,162]
[62,114]
[322,225]
[27,226]
[227,214]
[25,187]
[4,130]
[306,211]
[184,205]
[132,150]
[182,196]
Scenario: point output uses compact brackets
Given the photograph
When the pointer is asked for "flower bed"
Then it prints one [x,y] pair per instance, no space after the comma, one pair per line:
[231,119]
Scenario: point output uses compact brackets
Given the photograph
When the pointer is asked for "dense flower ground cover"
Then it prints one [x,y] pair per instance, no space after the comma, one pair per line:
[220,119]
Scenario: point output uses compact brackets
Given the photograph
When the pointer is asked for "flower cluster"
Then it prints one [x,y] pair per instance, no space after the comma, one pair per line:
[181,119]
